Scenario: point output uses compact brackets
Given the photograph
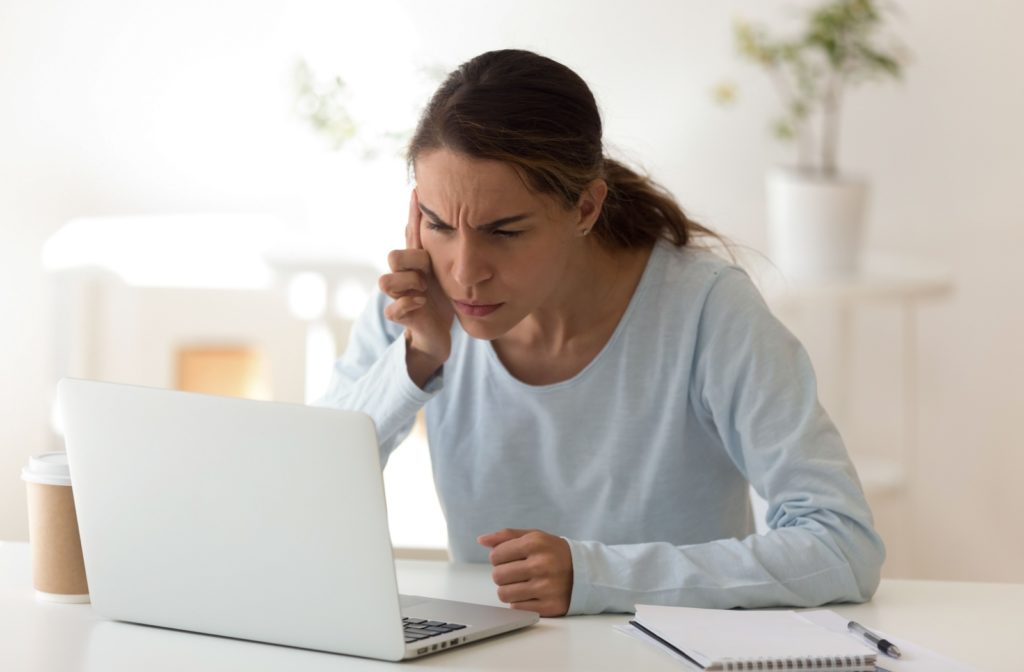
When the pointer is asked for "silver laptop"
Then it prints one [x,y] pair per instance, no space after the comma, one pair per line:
[250,519]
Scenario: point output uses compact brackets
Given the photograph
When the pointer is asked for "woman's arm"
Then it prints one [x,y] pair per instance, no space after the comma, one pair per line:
[372,376]
[755,385]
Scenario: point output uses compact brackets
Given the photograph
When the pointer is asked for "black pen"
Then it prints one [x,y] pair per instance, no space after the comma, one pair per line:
[883,645]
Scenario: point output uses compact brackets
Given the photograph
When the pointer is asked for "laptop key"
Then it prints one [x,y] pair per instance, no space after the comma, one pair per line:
[425,633]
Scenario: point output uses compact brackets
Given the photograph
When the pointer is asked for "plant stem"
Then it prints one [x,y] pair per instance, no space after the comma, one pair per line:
[786,94]
[805,146]
[830,125]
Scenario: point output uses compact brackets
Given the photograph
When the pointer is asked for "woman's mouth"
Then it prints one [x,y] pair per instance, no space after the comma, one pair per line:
[476,309]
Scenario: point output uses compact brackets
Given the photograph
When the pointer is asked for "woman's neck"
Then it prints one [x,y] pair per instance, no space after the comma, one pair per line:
[589,304]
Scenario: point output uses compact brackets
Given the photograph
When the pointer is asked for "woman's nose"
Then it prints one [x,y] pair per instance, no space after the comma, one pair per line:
[469,267]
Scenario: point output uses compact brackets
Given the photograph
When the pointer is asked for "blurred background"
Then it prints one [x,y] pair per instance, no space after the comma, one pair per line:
[201,195]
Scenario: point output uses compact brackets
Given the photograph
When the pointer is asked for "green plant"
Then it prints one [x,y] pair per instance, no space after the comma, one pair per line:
[811,72]
[326,104]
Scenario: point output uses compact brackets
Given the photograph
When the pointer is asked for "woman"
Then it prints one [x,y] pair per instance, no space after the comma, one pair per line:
[599,392]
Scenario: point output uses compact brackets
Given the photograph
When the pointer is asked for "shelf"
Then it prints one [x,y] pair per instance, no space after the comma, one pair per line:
[884,277]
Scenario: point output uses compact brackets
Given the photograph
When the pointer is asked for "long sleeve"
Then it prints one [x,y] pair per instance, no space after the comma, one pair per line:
[372,377]
[754,386]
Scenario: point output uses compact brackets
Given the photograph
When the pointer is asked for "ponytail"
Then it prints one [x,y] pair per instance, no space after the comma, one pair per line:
[638,212]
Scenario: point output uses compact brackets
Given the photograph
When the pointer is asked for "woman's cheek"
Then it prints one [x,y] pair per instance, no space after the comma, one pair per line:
[437,263]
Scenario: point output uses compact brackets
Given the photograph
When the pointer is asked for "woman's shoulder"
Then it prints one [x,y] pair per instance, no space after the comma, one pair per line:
[698,282]
[692,269]
[690,283]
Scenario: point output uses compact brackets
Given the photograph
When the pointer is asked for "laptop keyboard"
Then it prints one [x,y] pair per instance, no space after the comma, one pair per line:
[419,628]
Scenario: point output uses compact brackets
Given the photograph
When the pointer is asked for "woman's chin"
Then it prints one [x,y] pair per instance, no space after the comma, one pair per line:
[481,329]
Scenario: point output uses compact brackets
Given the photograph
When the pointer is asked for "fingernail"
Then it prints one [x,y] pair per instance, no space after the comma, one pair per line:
[419,300]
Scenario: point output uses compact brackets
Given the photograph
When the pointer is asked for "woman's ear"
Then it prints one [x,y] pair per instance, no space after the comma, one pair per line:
[590,203]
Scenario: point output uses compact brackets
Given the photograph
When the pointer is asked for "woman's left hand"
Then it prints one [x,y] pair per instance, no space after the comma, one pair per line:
[532,569]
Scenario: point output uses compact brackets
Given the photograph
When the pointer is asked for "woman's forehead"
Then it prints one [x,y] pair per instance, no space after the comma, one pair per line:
[447,177]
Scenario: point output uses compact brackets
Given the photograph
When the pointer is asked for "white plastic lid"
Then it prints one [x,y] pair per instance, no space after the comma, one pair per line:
[48,469]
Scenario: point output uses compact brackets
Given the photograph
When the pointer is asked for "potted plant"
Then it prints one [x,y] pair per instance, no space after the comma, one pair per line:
[815,211]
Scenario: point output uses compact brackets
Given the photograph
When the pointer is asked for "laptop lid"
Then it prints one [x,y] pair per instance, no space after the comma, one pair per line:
[249,519]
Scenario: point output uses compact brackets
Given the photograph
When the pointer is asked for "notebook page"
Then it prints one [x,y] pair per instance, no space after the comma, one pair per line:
[711,635]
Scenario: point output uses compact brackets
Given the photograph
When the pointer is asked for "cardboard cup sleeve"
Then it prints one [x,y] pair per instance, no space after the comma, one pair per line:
[58,571]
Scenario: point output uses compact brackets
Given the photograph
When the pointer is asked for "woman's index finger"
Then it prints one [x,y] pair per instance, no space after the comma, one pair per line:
[412,229]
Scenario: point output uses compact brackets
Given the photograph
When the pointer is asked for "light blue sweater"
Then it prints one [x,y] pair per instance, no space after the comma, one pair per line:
[642,460]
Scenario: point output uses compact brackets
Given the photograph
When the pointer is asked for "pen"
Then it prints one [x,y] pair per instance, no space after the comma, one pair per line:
[883,645]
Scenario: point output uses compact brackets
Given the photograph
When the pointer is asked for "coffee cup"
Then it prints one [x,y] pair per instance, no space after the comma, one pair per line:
[58,571]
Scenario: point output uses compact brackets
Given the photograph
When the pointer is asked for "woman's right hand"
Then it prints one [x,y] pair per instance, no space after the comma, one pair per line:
[419,303]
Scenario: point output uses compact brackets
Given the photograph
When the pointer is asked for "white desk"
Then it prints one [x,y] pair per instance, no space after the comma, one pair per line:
[974,622]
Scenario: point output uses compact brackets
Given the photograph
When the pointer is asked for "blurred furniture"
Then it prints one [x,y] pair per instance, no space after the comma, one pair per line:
[238,371]
[190,301]
[327,289]
[975,623]
[169,301]
[897,281]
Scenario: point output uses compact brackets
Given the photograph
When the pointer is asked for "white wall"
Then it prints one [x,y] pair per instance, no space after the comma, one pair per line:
[116,107]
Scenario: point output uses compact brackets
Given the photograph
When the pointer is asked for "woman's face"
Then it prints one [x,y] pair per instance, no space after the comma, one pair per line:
[499,251]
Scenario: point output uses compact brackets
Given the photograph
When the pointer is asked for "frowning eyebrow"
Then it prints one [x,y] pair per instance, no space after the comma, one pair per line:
[486,228]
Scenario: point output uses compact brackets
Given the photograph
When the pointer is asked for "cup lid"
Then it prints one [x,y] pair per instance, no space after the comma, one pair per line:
[48,469]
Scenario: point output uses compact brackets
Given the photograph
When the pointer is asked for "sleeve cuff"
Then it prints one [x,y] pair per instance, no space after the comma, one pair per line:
[408,388]
[397,397]
[581,597]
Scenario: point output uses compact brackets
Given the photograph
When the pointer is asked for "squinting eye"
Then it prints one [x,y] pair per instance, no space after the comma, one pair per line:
[507,234]
[434,226]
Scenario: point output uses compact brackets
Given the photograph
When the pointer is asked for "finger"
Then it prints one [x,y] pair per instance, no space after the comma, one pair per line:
[510,551]
[494,538]
[409,260]
[402,283]
[412,228]
[512,572]
[403,307]
[546,608]
[517,592]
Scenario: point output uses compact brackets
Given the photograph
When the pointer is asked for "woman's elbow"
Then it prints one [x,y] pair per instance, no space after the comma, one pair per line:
[866,558]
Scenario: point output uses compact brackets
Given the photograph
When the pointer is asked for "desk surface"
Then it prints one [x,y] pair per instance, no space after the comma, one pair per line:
[978,623]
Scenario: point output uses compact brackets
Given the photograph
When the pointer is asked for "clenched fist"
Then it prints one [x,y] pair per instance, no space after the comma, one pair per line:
[532,569]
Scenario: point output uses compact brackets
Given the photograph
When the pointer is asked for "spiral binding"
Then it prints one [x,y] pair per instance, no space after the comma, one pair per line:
[838,663]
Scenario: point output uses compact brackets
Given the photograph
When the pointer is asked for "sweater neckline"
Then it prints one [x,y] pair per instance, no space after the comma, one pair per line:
[654,262]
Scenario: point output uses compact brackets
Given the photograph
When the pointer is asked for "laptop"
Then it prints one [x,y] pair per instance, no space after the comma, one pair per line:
[249,519]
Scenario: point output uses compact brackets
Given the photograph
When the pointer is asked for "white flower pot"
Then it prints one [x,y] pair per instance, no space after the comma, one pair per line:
[815,224]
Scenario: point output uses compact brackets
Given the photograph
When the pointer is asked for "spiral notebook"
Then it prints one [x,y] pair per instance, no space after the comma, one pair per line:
[726,640]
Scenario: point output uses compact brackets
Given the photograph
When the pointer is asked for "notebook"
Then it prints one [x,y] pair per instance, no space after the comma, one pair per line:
[720,639]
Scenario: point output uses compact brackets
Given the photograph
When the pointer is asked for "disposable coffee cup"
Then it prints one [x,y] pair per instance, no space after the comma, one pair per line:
[58,571]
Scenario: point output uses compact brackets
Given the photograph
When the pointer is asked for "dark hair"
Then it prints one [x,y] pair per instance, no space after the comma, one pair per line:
[538,115]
